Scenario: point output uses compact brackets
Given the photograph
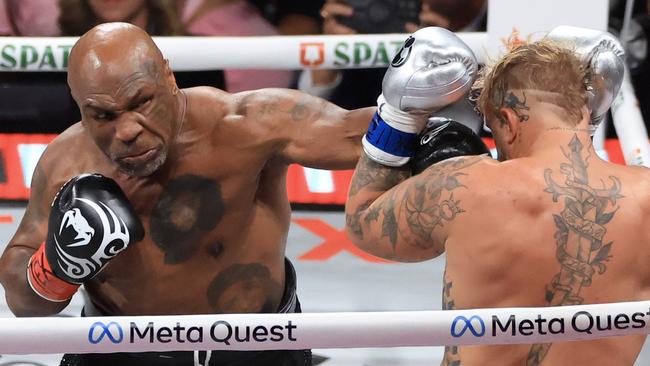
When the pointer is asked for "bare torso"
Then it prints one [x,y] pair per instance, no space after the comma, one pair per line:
[549,232]
[216,220]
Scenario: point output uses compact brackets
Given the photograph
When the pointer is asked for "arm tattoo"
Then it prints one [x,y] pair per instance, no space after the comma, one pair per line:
[375,177]
[427,203]
[300,111]
[430,203]
[389,226]
[266,109]
[581,228]
[452,358]
[353,221]
[307,109]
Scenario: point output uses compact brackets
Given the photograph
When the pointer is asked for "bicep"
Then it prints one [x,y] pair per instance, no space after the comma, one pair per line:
[333,141]
[308,130]
[31,232]
[32,229]
[410,221]
[401,224]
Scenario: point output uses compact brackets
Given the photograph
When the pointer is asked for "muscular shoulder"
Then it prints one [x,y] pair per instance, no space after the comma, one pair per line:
[465,175]
[66,156]
[270,113]
[68,147]
[487,182]
[637,186]
[473,169]
[211,107]
[273,107]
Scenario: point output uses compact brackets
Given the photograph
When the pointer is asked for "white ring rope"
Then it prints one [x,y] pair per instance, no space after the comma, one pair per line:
[209,53]
[322,330]
[297,52]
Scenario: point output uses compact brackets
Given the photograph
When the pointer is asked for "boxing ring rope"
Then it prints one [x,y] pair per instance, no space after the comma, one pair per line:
[314,330]
[323,330]
[206,53]
[300,52]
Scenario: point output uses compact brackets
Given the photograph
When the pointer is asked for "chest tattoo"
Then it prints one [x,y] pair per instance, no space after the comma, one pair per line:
[188,207]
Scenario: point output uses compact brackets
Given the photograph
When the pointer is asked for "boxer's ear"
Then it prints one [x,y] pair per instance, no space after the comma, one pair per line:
[169,77]
[511,123]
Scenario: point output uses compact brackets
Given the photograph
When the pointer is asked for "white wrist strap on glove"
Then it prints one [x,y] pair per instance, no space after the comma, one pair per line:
[392,134]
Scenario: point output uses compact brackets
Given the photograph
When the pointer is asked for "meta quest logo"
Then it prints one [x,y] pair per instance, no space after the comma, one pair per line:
[461,324]
[582,321]
[219,331]
[111,330]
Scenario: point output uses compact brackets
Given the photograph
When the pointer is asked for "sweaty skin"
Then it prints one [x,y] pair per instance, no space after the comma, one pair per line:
[204,169]
[554,225]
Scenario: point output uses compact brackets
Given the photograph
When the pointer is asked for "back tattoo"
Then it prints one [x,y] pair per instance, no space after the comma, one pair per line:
[581,228]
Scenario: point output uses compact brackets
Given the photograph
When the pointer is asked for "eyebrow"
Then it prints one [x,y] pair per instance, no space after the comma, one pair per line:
[94,105]
[99,105]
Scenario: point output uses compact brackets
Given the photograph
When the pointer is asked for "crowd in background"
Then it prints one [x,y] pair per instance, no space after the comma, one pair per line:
[347,88]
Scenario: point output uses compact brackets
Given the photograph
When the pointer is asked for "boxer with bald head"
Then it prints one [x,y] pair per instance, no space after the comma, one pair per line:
[168,201]
[184,209]
[550,224]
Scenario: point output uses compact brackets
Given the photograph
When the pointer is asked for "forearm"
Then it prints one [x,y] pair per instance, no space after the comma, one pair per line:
[355,124]
[21,299]
[333,141]
[399,218]
[372,209]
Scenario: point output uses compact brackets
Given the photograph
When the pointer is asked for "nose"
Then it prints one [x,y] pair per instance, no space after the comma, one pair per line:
[128,128]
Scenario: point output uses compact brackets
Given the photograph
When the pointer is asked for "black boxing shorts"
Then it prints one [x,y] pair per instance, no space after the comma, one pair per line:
[289,304]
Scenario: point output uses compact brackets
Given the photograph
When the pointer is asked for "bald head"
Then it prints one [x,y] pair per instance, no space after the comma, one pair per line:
[111,52]
[127,94]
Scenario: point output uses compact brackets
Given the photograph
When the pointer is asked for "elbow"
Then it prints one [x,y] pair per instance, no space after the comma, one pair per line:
[360,237]
[354,231]
[27,305]
[20,298]
[9,281]
[17,309]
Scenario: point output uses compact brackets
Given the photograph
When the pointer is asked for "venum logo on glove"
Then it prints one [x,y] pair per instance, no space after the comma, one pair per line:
[76,240]
[79,223]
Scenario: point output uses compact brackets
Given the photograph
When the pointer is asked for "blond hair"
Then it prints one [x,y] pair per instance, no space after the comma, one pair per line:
[544,66]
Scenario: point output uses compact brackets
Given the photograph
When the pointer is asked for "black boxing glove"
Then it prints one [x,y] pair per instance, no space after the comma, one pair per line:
[90,222]
[442,139]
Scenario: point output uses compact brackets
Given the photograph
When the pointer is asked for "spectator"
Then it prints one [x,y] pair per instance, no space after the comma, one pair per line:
[27,98]
[292,17]
[28,18]
[5,23]
[637,50]
[157,17]
[342,87]
[234,18]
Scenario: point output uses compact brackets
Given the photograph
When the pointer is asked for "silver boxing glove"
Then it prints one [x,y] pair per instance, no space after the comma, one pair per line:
[434,68]
[604,58]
